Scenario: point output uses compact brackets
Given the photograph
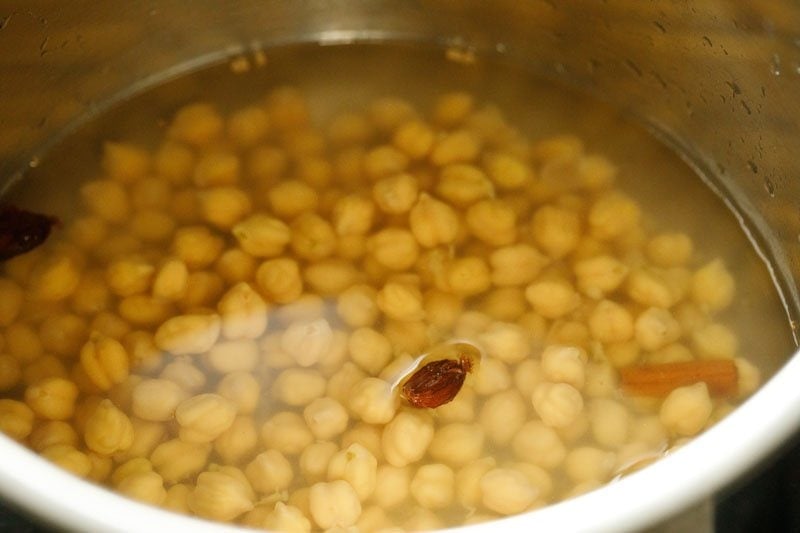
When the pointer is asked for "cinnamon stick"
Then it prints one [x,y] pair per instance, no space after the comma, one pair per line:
[720,375]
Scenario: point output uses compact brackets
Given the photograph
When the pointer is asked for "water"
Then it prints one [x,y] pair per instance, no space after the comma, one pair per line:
[344,78]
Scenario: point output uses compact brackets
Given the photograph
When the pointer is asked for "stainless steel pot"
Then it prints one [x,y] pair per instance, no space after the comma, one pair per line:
[719,79]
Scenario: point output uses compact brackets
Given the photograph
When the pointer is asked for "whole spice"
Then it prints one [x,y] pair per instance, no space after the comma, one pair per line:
[21,231]
[437,382]
[720,375]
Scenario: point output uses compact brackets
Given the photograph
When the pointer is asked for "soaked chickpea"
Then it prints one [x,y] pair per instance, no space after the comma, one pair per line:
[228,325]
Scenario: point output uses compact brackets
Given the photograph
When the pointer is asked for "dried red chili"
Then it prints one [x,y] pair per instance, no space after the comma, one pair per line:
[21,231]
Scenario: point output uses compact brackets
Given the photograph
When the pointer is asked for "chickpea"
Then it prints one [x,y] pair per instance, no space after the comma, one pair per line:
[507,491]
[188,334]
[243,312]
[68,458]
[457,443]
[204,417]
[493,377]
[147,487]
[176,460]
[265,164]
[507,342]
[539,444]
[88,232]
[610,422]
[468,276]
[558,404]
[506,304]
[715,341]
[171,280]
[106,199]
[433,486]
[589,464]
[144,310]
[373,400]
[686,410]
[156,399]
[233,356]
[52,398]
[177,497]
[383,161]
[221,494]
[713,286]
[185,374]
[248,125]
[369,349]
[406,438]
[502,415]
[349,128]
[315,458]
[109,324]
[11,299]
[224,206]
[357,306]
[493,222]
[238,442]
[356,465]
[599,275]
[396,194]
[414,138]
[56,278]
[241,388]
[517,264]
[393,248]
[325,417]
[649,288]
[286,432]
[307,341]
[23,343]
[279,280]
[612,215]
[108,430]
[291,198]
[269,472]
[458,146]
[197,246]
[285,518]
[656,328]
[611,322]
[468,478]
[556,230]
[261,235]
[353,214]
[215,168]
[312,237]
[10,372]
[462,185]
[146,436]
[124,162]
[400,301]
[334,504]
[91,295]
[203,290]
[16,419]
[174,162]
[552,298]
[330,277]
[196,124]
[507,171]
[433,222]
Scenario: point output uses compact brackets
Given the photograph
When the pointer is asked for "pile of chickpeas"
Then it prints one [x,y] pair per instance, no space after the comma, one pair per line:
[222,329]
